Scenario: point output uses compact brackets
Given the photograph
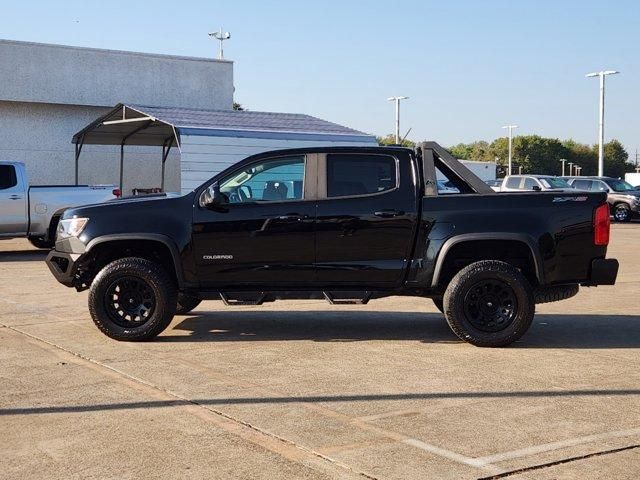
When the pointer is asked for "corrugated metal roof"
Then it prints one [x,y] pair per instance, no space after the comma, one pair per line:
[244,120]
[146,125]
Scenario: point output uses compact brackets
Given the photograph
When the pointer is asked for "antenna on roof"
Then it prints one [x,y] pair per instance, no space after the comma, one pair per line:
[221,36]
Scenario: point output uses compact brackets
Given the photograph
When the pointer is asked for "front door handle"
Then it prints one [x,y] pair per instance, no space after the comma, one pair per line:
[15,197]
[388,213]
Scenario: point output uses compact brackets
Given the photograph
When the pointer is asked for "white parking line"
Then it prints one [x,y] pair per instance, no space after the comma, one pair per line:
[547,447]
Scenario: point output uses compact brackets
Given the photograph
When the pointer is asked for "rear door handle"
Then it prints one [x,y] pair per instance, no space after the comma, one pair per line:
[388,213]
[15,197]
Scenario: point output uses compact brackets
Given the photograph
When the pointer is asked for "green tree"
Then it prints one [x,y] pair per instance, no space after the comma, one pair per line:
[391,140]
[537,154]
[616,159]
[461,151]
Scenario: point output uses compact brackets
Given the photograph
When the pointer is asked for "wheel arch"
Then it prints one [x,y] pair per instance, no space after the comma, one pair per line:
[124,239]
[470,238]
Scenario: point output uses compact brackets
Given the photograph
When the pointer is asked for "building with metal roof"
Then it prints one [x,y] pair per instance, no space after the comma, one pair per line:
[208,141]
[49,92]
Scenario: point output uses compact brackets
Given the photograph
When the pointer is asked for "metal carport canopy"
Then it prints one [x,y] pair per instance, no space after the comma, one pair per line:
[161,126]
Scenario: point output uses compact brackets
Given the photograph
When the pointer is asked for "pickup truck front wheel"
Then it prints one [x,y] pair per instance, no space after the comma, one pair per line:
[489,304]
[132,299]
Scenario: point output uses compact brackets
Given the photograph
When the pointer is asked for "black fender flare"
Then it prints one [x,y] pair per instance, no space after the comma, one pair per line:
[155,237]
[467,237]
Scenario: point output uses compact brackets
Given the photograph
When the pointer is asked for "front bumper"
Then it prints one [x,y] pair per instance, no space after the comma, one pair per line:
[604,271]
[63,266]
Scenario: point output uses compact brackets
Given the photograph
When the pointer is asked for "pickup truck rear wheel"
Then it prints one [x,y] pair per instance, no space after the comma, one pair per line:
[489,304]
[132,299]
[186,303]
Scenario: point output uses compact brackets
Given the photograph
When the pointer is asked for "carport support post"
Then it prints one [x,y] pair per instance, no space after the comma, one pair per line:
[121,168]
[166,147]
[78,150]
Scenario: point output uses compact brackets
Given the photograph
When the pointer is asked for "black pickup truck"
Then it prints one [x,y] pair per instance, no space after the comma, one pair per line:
[347,224]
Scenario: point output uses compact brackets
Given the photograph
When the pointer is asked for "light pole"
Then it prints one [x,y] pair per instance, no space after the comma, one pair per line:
[563,160]
[601,74]
[570,168]
[397,100]
[510,127]
[577,168]
[579,171]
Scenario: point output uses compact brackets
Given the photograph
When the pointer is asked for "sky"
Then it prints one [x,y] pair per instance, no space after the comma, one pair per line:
[469,67]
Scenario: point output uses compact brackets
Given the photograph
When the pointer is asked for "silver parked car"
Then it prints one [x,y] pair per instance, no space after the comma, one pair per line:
[537,183]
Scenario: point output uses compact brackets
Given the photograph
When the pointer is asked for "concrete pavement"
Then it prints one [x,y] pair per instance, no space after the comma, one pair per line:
[302,389]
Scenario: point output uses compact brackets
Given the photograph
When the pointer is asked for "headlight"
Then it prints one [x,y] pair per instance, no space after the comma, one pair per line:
[71,227]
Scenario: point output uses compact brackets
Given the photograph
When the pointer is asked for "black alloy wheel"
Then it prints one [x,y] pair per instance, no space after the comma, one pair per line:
[490,305]
[129,301]
[132,299]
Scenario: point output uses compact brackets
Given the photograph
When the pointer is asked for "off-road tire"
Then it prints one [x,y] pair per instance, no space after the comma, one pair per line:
[160,284]
[621,212]
[40,242]
[459,294]
[437,301]
[186,303]
[555,293]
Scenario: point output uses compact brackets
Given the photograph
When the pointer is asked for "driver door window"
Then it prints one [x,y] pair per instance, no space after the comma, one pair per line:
[272,180]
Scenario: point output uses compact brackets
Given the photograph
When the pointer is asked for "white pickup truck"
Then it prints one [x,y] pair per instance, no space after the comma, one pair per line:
[34,211]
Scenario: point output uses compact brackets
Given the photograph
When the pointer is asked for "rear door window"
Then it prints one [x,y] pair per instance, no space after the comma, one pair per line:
[598,186]
[582,184]
[8,177]
[352,175]
[513,182]
[529,183]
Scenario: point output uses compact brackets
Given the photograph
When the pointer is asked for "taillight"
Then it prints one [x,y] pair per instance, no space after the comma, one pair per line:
[116,192]
[601,225]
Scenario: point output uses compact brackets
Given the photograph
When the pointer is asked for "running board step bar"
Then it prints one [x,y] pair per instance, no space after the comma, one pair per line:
[347,298]
[238,299]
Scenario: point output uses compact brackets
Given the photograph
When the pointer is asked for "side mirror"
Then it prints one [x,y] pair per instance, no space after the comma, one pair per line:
[536,188]
[213,198]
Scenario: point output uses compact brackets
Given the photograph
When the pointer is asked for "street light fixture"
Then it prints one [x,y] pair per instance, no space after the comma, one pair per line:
[397,100]
[563,160]
[510,127]
[601,74]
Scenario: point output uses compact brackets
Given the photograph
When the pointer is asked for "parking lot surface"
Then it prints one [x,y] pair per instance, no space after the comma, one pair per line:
[303,389]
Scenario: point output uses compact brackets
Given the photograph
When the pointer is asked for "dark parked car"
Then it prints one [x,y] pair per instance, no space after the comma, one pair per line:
[345,223]
[623,198]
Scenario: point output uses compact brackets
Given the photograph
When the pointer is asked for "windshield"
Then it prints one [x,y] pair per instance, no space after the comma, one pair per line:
[620,186]
[553,182]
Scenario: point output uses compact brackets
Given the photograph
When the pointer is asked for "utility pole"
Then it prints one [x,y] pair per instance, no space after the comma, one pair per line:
[510,127]
[221,36]
[563,160]
[397,100]
[601,74]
